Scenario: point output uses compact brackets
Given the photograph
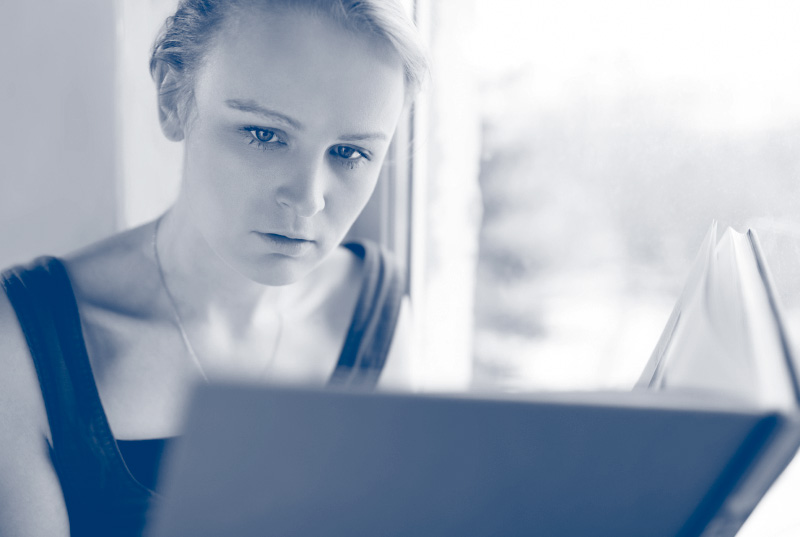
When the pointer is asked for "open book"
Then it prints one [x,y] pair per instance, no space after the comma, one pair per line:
[725,333]
[725,339]
[690,454]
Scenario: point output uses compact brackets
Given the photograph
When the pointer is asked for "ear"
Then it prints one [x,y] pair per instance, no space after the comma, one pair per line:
[167,87]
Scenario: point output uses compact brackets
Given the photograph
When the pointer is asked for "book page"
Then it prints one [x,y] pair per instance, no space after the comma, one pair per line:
[711,348]
[653,371]
[773,374]
[725,336]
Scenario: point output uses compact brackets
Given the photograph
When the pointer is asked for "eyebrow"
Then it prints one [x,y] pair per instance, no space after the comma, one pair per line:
[363,137]
[255,108]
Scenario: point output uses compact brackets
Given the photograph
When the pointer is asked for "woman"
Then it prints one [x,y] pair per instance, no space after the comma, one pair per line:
[286,110]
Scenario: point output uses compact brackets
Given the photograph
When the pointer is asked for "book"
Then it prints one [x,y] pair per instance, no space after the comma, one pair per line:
[690,451]
[726,338]
[725,333]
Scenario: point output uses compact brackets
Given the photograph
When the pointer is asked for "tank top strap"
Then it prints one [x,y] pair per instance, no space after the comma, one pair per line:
[43,300]
[371,330]
[30,291]
[83,448]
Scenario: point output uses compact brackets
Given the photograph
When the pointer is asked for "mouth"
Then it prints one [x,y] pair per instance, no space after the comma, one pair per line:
[282,237]
[288,245]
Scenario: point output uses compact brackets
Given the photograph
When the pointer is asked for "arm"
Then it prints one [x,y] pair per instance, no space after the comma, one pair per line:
[31,501]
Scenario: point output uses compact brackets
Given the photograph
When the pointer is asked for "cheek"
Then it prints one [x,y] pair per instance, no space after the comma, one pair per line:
[349,194]
[219,178]
[359,184]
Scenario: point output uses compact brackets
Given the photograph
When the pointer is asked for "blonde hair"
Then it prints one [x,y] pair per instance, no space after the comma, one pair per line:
[187,35]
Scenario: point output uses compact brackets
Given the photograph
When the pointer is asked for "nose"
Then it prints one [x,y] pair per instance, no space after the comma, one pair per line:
[304,190]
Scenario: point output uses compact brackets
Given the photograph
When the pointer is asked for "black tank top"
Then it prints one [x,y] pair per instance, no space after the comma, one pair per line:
[102,496]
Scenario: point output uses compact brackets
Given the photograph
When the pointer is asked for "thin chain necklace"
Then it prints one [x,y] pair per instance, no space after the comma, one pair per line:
[179,322]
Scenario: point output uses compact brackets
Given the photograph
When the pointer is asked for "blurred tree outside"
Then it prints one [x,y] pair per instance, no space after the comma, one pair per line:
[606,154]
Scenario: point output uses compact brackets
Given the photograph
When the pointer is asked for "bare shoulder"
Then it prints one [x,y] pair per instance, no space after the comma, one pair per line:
[334,285]
[349,266]
[345,271]
[107,271]
[30,494]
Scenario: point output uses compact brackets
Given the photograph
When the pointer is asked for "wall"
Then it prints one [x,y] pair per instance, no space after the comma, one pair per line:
[150,164]
[57,141]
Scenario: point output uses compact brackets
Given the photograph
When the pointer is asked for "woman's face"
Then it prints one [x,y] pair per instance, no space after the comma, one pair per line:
[293,116]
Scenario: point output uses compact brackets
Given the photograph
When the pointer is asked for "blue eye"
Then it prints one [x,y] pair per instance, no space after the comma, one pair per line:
[342,151]
[349,157]
[347,153]
[263,136]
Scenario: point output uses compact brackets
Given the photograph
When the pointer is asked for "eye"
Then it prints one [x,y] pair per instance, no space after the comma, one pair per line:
[263,136]
[347,153]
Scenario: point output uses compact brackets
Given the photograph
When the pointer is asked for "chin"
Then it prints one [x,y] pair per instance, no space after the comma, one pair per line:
[275,270]
[272,268]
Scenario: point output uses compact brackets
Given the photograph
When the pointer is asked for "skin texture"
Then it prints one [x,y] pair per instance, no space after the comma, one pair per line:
[245,172]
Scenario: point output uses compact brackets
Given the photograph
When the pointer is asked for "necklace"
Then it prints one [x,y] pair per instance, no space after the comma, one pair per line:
[179,322]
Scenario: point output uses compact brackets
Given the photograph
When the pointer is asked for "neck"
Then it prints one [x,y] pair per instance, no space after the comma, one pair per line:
[203,285]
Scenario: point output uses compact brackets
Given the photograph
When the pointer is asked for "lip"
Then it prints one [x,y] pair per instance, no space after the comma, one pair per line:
[288,245]
[288,235]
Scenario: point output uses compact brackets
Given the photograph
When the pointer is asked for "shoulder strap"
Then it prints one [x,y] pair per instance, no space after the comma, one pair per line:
[34,297]
[42,297]
[83,447]
[370,335]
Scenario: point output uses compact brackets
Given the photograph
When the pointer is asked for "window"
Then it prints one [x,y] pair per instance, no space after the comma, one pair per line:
[609,136]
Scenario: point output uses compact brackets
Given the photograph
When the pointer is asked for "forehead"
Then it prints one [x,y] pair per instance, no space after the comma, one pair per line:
[304,66]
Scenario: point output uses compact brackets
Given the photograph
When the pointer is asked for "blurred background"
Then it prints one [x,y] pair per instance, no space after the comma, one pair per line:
[58,141]
[612,134]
